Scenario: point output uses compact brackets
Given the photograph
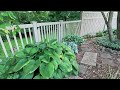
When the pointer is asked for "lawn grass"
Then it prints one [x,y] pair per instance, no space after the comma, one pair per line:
[2,55]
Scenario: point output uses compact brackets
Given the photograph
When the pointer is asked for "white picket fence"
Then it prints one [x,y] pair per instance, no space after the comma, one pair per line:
[39,32]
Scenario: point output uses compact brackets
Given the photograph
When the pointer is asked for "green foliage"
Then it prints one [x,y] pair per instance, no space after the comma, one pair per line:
[46,60]
[26,17]
[103,41]
[7,19]
[74,38]
[46,16]
[99,34]
[88,36]
[105,33]
[64,15]
[73,46]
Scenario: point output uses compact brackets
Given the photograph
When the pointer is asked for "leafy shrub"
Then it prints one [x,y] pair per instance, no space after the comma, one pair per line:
[114,32]
[74,38]
[46,60]
[99,34]
[88,36]
[73,46]
[105,33]
[103,41]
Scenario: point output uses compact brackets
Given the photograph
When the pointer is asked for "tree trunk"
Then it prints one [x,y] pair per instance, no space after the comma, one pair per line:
[109,24]
[81,15]
[118,25]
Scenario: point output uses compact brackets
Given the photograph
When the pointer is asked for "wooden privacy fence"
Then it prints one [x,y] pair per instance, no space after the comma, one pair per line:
[37,32]
[93,22]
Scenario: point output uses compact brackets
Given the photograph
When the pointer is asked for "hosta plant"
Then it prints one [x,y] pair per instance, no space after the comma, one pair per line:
[74,38]
[47,60]
[73,46]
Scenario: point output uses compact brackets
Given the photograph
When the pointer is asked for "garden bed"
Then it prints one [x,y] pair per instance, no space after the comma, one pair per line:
[108,63]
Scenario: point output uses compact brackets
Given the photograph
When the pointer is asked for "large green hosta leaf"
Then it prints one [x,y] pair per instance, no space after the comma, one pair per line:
[31,50]
[20,54]
[46,70]
[47,52]
[58,74]
[11,69]
[28,76]
[42,46]
[32,66]
[34,50]
[29,68]
[20,65]
[45,60]
[27,50]
[40,77]
[65,67]
[54,62]
[75,64]
[57,59]
[75,72]
[37,77]
[59,50]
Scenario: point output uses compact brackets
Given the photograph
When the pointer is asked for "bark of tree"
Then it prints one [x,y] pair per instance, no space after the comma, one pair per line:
[81,15]
[118,25]
[109,24]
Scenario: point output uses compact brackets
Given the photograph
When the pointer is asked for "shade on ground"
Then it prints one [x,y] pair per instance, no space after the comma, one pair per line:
[89,58]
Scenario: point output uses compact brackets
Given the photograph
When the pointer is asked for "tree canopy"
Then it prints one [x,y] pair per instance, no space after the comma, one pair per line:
[46,16]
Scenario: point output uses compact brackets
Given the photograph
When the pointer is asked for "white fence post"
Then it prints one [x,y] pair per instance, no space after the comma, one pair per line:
[3,46]
[61,30]
[35,32]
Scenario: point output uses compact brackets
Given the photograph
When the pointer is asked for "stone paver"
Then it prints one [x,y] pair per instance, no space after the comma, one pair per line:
[89,58]
[86,49]
[106,55]
[118,59]
[108,61]
[82,68]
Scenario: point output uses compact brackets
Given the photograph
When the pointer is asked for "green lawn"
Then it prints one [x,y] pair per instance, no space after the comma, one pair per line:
[2,55]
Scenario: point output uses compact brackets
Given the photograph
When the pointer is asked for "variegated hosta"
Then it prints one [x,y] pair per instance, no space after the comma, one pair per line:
[47,60]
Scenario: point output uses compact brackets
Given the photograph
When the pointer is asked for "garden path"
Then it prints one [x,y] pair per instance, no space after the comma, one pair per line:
[95,61]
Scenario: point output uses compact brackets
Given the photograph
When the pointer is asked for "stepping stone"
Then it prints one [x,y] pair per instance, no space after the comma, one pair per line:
[118,59]
[106,55]
[89,58]
[82,69]
[86,49]
[108,61]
